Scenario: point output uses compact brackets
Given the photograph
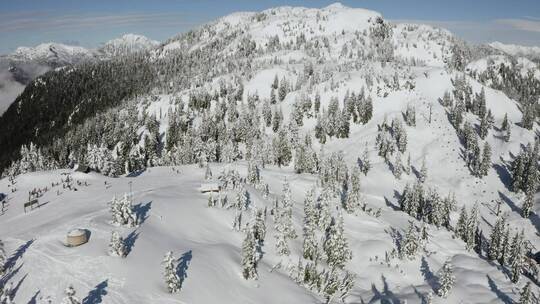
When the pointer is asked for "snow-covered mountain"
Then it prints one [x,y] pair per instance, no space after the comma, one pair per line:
[343,133]
[53,54]
[127,44]
[517,50]
[26,63]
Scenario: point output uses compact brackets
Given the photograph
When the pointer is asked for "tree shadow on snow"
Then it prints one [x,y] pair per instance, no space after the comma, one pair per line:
[11,261]
[391,205]
[129,241]
[183,265]
[33,299]
[385,296]
[9,275]
[95,296]
[501,295]
[503,174]
[428,275]
[16,288]
[533,217]
[415,172]
[136,173]
[142,211]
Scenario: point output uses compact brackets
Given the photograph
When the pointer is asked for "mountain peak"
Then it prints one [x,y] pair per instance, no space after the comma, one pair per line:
[128,43]
[336,6]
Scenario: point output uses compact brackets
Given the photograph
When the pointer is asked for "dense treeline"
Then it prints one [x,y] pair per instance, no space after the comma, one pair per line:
[61,99]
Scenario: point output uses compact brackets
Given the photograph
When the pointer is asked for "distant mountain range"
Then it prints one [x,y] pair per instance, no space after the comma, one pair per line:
[25,63]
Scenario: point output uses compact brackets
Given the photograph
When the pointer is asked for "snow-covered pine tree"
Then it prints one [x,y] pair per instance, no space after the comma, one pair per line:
[253,175]
[282,247]
[242,199]
[446,280]
[423,171]
[70,297]
[309,246]
[410,244]
[407,167]
[128,215]
[410,115]
[365,163]
[286,212]
[517,256]
[486,160]
[398,166]
[249,256]
[505,247]
[267,114]
[282,148]
[484,126]
[353,199]
[259,227]
[525,295]
[117,247]
[505,124]
[528,204]
[172,280]
[507,134]
[461,227]
[335,244]
[3,258]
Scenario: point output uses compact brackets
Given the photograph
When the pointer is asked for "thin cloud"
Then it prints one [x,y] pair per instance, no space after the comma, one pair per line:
[529,25]
[43,21]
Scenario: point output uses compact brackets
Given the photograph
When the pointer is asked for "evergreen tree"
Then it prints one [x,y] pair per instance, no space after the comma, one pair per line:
[486,160]
[282,148]
[398,167]
[286,212]
[365,164]
[423,171]
[310,246]
[283,89]
[172,280]
[273,96]
[267,113]
[411,243]
[496,240]
[249,256]
[122,212]
[259,228]
[505,125]
[517,256]
[528,203]
[317,103]
[353,198]
[117,247]
[525,295]
[446,280]
[275,83]
[507,134]
[335,244]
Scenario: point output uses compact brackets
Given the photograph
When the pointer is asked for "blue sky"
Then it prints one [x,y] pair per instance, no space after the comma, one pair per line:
[91,23]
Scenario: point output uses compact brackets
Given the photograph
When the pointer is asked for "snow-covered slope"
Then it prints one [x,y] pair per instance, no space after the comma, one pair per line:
[177,218]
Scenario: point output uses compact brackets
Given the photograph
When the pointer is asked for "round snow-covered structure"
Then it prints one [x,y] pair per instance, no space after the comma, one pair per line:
[77,237]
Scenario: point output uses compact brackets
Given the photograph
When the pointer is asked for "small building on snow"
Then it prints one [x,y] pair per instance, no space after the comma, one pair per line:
[209,187]
[77,237]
